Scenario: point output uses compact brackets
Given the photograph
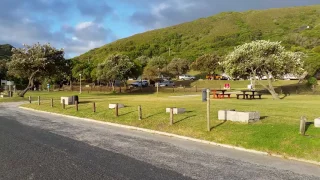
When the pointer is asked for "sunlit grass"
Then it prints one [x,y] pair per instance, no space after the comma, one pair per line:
[277,132]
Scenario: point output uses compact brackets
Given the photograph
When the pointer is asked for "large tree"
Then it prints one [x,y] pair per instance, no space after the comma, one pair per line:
[263,58]
[178,66]
[155,66]
[208,63]
[35,62]
[115,67]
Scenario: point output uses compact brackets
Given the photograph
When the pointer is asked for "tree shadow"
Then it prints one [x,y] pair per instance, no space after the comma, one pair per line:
[184,119]
[85,102]
[218,125]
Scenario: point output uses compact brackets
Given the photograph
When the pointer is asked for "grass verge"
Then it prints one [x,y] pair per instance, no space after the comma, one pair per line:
[277,132]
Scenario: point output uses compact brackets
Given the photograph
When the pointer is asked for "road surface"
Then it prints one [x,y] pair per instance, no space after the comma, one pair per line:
[41,146]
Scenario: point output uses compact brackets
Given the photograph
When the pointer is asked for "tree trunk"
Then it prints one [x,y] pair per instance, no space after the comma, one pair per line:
[30,84]
[270,88]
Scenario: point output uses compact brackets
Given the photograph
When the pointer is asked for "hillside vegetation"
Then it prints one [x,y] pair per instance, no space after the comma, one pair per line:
[297,27]
[5,51]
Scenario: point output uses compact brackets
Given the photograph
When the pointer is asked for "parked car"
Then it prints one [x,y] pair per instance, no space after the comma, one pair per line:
[143,83]
[186,77]
[166,83]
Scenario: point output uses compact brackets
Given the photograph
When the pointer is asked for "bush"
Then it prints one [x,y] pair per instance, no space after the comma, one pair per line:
[312,81]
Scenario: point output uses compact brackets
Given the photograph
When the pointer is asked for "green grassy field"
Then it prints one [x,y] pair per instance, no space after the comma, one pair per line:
[277,132]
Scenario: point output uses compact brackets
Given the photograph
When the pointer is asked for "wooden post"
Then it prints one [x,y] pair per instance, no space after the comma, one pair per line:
[117,111]
[157,84]
[303,125]
[77,106]
[30,99]
[171,116]
[39,100]
[208,109]
[51,102]
[139,112]
[94,107]
[63,104]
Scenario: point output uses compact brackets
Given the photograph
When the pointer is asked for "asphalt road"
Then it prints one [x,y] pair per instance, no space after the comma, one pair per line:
[41,146]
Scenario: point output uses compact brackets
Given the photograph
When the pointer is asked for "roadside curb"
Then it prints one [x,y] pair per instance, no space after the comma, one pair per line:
[176,136]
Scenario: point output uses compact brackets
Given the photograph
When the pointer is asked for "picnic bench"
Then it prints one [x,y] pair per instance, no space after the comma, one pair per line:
[252,96]
[221,95]
[249,96]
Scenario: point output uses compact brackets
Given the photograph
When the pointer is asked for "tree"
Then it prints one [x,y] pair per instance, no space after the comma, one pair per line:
[207,63]
[156,64]
[142,60]
[178,66]
[36,61]
[115,67]
[263,58]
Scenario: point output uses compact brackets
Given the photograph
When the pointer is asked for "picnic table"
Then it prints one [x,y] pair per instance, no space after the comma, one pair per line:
[221,95]
[251,94]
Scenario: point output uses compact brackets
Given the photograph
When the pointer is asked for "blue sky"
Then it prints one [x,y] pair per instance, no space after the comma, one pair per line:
[81,25]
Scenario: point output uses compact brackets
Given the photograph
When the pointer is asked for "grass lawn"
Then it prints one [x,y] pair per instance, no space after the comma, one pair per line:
[277,132]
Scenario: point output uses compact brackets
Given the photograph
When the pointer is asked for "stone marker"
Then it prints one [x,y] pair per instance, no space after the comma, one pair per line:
[113,106]
[176,110]
[245,117]
[317,122]
[67,100]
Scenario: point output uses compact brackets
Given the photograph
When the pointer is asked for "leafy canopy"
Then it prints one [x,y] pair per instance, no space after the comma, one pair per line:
[115,67]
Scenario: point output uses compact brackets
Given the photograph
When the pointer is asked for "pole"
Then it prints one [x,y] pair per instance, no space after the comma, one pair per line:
[30,99]
[63,104]
[80,84]
[77,107]
[51,102]
[39,100]
[157,84]
[117,111]
[94,107]
[171,116]
[139,112]
[208,109]
[196,88]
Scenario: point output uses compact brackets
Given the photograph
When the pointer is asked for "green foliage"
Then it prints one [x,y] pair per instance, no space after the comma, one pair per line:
[263,58]
[36,62]
[115,67]
[219,34]
[5,51]
[178,66]
[208,63]
[312,81]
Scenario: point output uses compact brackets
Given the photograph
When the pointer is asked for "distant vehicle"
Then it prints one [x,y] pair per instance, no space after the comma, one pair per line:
[143,83]
[186,77]
[290,77]
[166,83]
[213,77]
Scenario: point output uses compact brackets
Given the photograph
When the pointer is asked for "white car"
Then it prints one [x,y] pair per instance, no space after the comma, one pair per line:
[187,77]
[143,83]
[166,83]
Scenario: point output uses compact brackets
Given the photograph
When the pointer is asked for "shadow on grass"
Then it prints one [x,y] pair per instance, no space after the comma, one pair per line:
[85,102]
[126,113]
[184,119]
[153,115]
[263,117]
[308,124]
[218,125]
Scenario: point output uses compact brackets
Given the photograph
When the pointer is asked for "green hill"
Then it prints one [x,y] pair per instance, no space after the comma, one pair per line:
[297,27]
[5,51]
